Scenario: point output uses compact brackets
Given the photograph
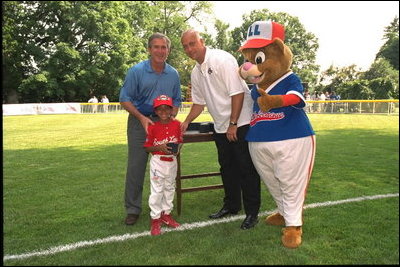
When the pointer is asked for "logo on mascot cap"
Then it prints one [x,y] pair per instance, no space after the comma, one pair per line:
[262,33]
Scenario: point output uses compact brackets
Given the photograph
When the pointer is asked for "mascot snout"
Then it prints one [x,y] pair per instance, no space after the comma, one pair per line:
[250,72]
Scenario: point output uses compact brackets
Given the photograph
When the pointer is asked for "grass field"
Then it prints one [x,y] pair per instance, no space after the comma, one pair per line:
[63,183]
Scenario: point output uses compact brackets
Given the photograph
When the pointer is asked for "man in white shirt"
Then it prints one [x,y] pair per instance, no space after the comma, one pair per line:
[322,97]
[105,100]
[94,100]
[216,84]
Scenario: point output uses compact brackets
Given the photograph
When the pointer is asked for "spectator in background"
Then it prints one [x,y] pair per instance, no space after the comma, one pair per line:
[321,97]
[333,96]
[315,96]
[307,97]
[94,101]
[143,83]
[103,100]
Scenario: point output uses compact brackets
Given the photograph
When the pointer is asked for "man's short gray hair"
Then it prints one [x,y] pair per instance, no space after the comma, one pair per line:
[158,35]
[192,31]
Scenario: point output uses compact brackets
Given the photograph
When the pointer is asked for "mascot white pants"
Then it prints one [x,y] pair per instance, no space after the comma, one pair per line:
[285,167]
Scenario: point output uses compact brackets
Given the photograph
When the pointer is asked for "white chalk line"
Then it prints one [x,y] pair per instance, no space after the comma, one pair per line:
[183,227]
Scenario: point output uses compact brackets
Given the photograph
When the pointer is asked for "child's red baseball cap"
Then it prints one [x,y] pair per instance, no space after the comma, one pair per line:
[162,100]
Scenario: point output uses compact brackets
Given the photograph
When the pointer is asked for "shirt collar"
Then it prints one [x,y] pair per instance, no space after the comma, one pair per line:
[150,69]
[277,81]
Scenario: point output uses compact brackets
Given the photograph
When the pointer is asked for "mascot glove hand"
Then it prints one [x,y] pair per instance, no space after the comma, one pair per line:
[267,102]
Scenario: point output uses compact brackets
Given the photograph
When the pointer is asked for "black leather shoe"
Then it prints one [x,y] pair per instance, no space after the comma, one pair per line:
[222,213]
[131,219]
[249,222]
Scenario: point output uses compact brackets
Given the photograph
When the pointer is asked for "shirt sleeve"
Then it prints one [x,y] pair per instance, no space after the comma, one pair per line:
[296,88]
[234,84]
[179,132]
[128,89]
[177,97]
[150,137]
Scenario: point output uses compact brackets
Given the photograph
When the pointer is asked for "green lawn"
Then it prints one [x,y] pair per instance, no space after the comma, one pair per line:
[63,182]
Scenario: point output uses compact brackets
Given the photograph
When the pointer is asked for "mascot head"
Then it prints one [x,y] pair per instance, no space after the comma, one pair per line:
[268,58]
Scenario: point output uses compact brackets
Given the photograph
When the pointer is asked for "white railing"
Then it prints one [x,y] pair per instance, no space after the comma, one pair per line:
[354,106]
[331,106]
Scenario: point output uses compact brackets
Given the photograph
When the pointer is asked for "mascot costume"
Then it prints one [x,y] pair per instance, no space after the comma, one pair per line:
[281,138]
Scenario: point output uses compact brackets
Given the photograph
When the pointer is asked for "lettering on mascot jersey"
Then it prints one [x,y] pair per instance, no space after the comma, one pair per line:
[269,116]
[169,139]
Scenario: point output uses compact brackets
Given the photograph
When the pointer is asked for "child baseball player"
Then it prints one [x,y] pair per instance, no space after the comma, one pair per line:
[163,164]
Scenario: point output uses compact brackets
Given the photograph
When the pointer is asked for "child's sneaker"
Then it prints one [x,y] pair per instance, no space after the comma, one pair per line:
[168,220]
[155,226]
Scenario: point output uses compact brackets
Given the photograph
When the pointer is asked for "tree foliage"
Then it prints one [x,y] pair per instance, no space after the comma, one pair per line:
[17,52]
[390,49]
[303,44]
[172,18]
[65,51]
[383,78]
[380,81]
[80,47]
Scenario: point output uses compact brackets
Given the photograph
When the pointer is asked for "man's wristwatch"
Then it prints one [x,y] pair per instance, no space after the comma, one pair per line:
[233,123]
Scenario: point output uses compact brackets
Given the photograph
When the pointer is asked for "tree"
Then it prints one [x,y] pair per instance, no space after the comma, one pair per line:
[172,18]
[390,49]
[68,50]
[96,35]
[355,89]
[17,51]
[379,82]
[302,43]
[383,79]
[56,83]
[341,80]
[384,88]
[223,40]
[383,75]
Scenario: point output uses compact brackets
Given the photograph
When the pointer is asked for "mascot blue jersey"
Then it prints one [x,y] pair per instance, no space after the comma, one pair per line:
[280,123]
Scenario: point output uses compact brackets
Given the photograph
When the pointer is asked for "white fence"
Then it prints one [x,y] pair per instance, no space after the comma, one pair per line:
[39,108]
[336,106]
[354,106]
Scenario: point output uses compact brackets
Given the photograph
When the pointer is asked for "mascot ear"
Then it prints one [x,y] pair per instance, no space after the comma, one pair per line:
[279,43]
[285,52]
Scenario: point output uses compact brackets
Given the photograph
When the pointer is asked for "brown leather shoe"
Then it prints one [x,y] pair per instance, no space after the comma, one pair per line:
[131,219]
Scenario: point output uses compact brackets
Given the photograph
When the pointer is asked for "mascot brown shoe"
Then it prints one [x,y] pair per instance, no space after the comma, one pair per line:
[275,219]
[291,236]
